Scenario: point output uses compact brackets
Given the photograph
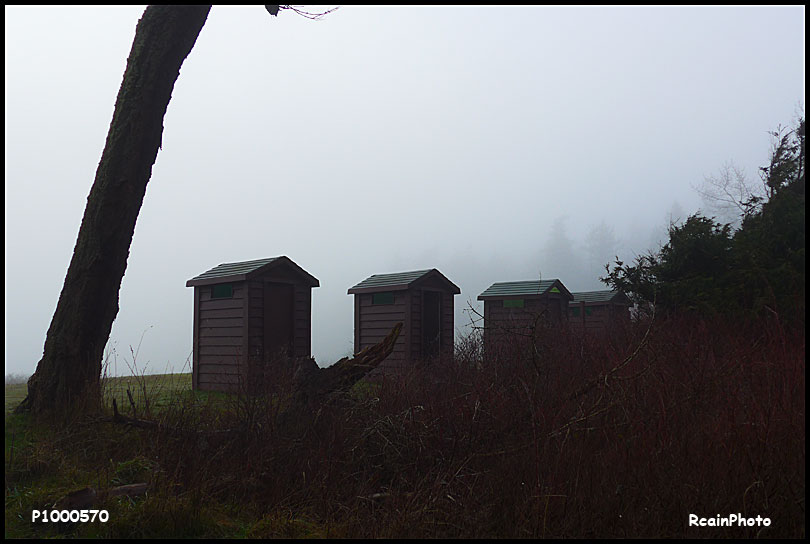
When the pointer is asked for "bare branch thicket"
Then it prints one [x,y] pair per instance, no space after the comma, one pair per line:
[730,194]
[603,378]
[519,331]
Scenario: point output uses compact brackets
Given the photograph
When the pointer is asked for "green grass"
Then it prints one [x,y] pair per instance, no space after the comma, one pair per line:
[15,393]
[152,392]
[43,465]
[160,389]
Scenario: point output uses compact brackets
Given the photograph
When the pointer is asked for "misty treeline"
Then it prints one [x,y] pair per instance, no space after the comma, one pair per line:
[578,258]
[748,268]
[14,379]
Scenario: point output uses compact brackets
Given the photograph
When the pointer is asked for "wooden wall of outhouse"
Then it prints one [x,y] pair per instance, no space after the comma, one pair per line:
[593,311]
[248,313]
[510,308]
[422,300]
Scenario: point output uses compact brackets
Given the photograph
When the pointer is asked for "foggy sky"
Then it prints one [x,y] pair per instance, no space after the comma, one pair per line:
[382,139]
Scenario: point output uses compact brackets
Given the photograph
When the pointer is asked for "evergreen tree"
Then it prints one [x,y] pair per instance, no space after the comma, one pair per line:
[757,270]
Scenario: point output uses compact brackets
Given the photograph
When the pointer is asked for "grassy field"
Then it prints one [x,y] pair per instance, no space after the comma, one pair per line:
[15,393]
[159,389]
[153,392]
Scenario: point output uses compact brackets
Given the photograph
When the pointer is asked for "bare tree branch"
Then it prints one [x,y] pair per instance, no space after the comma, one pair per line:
[273,10]
[730,195]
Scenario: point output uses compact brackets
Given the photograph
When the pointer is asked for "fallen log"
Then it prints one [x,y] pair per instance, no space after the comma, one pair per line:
[315,387]
[118,417]
[342,375]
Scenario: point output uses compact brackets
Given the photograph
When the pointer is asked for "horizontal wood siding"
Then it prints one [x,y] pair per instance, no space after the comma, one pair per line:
[219,381]
[214,322]
[507,328]
[500,320]
[601,318]
[375,322]
[220,336]
[215,368]
[515,324]
[230,352]
[228,313]
[219,340]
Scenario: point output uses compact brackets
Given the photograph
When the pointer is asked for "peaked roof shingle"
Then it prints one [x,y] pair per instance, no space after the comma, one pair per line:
[598,296]
[398,281]
[521,288]
[241,270]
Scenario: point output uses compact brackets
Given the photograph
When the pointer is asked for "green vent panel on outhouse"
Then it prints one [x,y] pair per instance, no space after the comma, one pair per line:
[222,290]
[513,303]
[382,298]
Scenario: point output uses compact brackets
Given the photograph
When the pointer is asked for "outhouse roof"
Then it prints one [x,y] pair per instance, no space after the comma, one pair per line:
[599,296]
[528,288]
[246,269]
[400,281]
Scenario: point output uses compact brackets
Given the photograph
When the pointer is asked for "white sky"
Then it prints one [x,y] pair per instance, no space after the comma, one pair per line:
[381,140]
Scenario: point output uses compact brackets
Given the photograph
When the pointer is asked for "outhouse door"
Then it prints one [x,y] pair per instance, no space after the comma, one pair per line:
[431,323]
[278,319]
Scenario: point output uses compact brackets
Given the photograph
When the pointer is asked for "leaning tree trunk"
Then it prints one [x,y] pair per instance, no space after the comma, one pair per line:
[67,376]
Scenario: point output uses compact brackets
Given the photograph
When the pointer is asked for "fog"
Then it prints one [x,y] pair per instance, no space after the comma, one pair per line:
[494,144]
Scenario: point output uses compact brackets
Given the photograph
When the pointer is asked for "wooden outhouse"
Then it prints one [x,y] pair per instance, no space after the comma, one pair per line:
[511,308]
[248,313]
[422,300]
[596,310]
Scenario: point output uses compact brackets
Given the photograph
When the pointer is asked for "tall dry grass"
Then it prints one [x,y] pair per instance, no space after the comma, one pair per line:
[622,435]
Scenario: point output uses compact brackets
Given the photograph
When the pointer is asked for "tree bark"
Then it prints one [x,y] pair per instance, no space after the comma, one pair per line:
[67,376]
